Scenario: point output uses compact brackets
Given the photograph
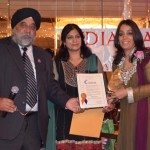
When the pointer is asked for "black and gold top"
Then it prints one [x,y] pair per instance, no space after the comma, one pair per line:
[70,71]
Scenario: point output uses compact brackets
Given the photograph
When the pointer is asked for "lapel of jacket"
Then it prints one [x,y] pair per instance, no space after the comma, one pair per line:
[38,62]
[14,51]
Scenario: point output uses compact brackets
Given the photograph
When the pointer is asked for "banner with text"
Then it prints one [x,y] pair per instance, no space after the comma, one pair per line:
[101,42]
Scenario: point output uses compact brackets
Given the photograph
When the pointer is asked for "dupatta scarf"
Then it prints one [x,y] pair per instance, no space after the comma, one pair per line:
[142,107]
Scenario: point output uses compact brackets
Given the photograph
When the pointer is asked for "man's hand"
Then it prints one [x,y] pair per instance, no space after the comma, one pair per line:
[7,105]
[73,105]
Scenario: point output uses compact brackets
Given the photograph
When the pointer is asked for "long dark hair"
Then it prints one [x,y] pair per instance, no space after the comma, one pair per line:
[63,53]
[137,37]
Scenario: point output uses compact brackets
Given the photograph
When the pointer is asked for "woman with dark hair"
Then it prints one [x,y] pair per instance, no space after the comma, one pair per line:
[137,39]
[130,84]
[73,57]
[63,52]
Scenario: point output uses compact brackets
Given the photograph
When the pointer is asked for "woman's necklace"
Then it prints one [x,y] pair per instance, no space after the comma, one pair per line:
[126,74]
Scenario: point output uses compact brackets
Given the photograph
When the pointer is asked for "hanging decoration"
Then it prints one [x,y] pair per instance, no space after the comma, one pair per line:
[148,15]
[147,20]
[127,11]
[8,21]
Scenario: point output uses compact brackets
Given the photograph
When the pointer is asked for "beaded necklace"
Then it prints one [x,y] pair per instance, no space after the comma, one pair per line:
[126,74]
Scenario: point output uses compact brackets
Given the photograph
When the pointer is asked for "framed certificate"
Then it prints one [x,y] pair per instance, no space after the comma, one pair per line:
[91,90]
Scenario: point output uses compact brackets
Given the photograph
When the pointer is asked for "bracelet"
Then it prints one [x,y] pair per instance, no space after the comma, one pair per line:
[130,95]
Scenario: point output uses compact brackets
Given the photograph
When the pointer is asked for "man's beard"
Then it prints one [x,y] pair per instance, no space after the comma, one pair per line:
[24,40]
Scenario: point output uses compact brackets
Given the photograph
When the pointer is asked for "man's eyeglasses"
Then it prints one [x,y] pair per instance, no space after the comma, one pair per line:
[23,25]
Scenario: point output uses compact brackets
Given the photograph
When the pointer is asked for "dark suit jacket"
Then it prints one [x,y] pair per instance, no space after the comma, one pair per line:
[12,74]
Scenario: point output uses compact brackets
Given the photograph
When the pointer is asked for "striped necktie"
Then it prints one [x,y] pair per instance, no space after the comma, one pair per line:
[31,93]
